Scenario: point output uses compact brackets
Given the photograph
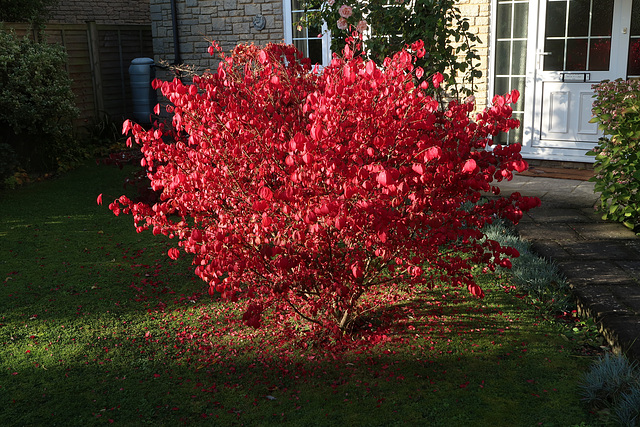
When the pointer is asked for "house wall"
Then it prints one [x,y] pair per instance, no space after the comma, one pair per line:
[478,13]
[229,22]
[102,12]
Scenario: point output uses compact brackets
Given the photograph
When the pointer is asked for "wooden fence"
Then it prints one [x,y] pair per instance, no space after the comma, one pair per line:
[98,63]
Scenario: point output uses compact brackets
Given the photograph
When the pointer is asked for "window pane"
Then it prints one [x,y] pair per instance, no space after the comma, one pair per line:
[576,55]
[501,138]
[635,18]
[301,45]
[515,135]
[504,21]
[315,51]
[579,18]
[556,18]
[518,84]
[554,61]
[502,57]
[602,17]
[599,54]
[519,58]
[502,85]
[520,20]
[633,67]
[298,31]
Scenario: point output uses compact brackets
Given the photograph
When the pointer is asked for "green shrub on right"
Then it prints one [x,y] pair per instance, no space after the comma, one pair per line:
[37,105]
[617,112]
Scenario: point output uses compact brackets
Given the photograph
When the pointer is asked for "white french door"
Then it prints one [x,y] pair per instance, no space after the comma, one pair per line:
[557,49]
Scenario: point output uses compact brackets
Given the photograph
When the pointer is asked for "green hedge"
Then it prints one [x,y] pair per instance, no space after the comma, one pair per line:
[617,112]
[37,106]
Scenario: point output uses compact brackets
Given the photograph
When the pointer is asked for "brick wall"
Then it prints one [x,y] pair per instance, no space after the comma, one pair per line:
[477,12]
[102,12]
[229,22]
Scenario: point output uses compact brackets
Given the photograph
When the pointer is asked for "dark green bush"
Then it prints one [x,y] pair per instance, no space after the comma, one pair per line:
[37,106]
[617,166]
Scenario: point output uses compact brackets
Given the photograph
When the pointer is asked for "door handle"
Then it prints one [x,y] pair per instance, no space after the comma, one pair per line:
[539,54]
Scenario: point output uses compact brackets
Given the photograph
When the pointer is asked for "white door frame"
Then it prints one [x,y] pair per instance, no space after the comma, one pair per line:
[532,145]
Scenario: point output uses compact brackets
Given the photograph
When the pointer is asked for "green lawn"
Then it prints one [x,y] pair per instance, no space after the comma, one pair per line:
[98,325]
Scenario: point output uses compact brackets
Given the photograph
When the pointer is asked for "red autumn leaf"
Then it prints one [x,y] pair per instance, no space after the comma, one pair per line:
[432,153]
[126,126]
[385,178]
[265,193]
[174,253]
[437,79]
[469,166]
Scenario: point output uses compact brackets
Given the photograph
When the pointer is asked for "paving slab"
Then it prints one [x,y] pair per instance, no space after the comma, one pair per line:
[599,250]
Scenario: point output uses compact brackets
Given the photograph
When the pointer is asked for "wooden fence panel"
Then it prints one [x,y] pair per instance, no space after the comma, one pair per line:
[99,68]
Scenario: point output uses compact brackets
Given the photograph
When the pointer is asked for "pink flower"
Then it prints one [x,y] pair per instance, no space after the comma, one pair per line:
[362,26]
[345,11]
[331,2]
[342,24]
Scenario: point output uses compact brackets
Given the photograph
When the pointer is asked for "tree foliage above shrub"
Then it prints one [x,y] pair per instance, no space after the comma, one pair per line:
[34,11]
[37,106]
[391,25]
[302,191]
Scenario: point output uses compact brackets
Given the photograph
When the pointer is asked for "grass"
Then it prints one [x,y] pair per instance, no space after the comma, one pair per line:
[98,325]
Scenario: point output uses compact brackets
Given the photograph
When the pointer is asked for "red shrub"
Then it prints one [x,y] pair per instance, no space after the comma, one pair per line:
[301,189]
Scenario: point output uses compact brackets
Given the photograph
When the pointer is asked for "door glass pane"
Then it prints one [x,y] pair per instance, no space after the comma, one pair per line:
[584,42]
[633,60]
[599,53]
[578,18]
[635,18]
[602,17]
[555,54]
[633,66]
[576,55]
[556,18]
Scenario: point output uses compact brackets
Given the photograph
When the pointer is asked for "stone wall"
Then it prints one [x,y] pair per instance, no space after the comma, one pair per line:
[478,14]
[102,12]
[229,22]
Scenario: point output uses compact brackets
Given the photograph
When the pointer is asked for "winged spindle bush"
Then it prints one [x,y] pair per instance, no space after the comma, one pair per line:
[301,190]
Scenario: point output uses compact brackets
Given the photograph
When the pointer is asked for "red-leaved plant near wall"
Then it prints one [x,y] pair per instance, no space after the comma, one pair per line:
[303,190]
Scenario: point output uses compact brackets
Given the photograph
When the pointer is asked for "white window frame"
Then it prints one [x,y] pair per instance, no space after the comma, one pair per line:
[288,32]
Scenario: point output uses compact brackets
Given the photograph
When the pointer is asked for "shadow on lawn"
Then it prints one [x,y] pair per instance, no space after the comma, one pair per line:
[446,371]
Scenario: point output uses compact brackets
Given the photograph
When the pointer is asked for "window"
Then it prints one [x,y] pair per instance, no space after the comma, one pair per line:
[306,40]
[511,58]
